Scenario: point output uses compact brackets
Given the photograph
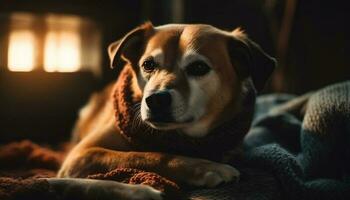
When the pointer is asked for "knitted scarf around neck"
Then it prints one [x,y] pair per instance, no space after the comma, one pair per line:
[142,137]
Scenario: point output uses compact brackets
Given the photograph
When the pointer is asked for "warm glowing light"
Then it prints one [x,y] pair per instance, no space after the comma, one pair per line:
[53,42]
[62,51]
[21,51]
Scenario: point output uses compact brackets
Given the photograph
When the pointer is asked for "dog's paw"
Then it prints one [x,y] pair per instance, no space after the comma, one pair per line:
[143,192]
[211,174]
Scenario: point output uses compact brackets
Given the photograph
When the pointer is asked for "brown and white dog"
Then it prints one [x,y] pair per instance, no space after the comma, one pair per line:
[190,79]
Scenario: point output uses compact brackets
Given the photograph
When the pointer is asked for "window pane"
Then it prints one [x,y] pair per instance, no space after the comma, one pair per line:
[21,51]
[62,51]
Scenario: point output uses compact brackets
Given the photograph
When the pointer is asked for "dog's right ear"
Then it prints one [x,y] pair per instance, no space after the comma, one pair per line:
[253,61]
[129,47]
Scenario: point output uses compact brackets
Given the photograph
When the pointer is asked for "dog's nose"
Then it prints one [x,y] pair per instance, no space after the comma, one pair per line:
[159,101]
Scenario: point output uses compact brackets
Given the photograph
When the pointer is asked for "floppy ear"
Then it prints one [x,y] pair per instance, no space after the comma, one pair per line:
[130,46]
[252,60]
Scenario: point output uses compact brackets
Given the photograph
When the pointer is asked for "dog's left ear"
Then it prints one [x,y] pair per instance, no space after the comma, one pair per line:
[250,60]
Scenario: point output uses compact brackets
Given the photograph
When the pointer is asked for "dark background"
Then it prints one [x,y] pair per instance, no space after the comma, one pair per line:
[307,37]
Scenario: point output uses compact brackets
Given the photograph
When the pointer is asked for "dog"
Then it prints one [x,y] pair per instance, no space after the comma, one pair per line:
[188,81]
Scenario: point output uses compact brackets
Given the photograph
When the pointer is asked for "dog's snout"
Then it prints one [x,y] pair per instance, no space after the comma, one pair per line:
[159,101]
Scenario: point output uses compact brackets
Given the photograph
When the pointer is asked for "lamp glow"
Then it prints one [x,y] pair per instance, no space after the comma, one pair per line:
[62,51]
[21,51]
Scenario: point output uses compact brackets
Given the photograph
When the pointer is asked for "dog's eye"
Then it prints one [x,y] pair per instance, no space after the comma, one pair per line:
[198,68]
[149,65]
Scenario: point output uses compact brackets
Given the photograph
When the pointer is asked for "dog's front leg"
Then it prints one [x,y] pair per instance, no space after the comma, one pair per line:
[192,171]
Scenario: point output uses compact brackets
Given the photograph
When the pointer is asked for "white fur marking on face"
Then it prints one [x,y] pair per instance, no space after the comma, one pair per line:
[149,87]
[178,106]
[202,89]
[157,54]
[144,109]
[190,56]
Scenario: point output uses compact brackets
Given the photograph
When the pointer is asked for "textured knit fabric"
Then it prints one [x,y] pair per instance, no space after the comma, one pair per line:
[134,176]
[305,142]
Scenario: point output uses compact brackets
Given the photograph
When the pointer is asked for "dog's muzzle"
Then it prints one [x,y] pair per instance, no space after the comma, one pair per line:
[159,104]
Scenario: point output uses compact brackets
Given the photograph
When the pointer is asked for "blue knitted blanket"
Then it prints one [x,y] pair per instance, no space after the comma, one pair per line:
[303,143]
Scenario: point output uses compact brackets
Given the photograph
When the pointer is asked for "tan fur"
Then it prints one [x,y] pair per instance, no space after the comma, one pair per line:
[94,114]
[102,148]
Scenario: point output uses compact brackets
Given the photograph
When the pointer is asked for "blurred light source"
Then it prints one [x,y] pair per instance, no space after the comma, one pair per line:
[53,43]
[62,44]
[21,51]
[62,52]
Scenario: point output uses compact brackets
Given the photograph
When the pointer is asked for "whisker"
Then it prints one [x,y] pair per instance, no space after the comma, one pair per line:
[136,120]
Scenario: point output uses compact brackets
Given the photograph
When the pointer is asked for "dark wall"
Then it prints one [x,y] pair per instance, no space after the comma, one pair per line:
[247,14]
[41,106]
[319,46]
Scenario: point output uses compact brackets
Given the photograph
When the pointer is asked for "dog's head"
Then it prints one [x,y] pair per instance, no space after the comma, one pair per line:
[191,75]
